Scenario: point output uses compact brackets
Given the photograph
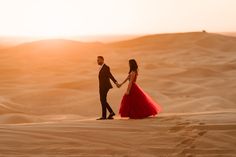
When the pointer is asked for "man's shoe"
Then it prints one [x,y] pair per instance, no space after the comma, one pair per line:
[111,115]
[102,118]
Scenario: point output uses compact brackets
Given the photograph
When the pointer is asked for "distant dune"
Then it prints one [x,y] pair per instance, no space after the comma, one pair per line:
[10,41]
[229,33]
[190,60]
[49,96]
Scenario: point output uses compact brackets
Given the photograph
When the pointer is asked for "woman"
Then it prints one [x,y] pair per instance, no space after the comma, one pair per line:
[136,104]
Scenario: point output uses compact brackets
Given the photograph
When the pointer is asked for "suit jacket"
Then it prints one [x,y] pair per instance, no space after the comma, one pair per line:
[104,78]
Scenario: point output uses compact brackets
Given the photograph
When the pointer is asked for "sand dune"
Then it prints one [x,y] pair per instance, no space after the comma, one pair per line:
[49,97]
[211,134]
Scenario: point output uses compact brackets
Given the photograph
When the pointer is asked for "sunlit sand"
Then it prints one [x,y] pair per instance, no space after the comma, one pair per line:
[49,97]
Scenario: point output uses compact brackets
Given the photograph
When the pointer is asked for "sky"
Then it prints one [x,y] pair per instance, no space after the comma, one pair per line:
[114,17]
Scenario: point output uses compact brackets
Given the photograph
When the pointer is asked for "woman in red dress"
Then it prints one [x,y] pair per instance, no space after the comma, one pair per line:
[136,104]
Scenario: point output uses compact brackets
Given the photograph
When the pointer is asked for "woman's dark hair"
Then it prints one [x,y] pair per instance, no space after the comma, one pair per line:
[133,66]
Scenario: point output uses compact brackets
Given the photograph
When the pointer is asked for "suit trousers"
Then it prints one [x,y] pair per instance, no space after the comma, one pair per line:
[104,103]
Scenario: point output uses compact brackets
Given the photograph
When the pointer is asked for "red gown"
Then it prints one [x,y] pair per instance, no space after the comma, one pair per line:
[138,104]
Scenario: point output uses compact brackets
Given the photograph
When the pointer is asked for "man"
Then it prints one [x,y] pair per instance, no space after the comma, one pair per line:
[104,86]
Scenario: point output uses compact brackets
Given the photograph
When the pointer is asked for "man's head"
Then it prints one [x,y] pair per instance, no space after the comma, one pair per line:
[100,60]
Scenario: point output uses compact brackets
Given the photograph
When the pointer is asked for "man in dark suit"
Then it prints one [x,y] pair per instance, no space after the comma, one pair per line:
[104,86]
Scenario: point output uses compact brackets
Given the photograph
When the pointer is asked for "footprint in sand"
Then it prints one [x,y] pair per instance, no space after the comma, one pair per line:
[192,131]
[186,142]
[179,127]
[202,133]
[201,123]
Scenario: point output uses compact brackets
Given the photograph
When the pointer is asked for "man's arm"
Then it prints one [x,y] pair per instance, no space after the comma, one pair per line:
[111,76]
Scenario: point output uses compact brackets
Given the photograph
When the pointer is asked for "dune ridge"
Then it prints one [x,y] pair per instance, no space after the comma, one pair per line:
[49,97]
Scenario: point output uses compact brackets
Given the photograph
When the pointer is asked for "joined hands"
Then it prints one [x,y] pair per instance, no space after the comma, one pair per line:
[118,85]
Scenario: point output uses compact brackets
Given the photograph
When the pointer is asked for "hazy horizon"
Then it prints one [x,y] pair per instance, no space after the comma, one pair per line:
[62,18]
[9,41]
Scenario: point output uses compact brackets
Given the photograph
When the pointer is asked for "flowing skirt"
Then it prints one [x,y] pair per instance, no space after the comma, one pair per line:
[138,104]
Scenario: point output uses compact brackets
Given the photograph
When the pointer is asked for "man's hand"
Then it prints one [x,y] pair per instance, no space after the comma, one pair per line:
[118,85]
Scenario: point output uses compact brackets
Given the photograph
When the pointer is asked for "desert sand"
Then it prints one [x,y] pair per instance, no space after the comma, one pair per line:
[49,98]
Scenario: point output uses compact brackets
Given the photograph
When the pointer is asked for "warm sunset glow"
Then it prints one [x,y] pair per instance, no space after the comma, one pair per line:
[92,17]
